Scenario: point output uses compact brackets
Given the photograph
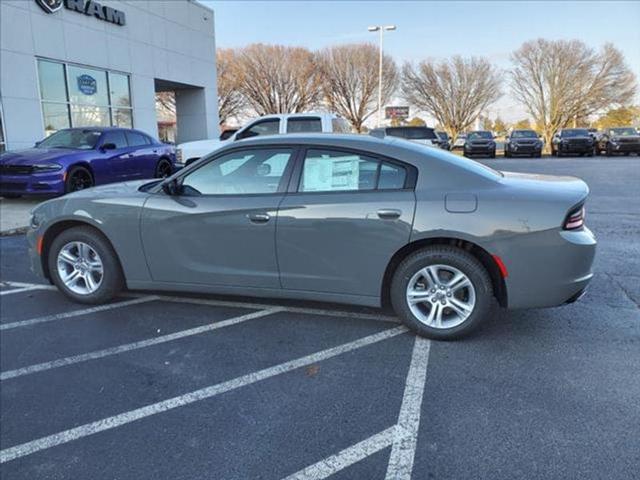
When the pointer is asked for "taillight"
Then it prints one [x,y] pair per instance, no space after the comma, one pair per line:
[575,219]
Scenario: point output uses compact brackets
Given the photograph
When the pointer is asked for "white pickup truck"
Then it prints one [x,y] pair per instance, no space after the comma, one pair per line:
[267,125]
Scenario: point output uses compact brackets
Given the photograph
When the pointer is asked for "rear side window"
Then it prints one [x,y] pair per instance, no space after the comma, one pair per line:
[117,138]
[335,171]
[304,124]
[136,139]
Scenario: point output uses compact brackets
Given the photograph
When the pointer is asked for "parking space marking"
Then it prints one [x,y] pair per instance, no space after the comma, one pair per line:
[406,436]
[62,362]
[347,457]
[21,289]
[41,286]
[77,313]
[115,421]
[306,311]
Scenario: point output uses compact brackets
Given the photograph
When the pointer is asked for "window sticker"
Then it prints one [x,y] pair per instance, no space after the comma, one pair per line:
[329,174]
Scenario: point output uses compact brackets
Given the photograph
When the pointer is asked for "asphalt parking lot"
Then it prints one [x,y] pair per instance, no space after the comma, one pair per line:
[157,386]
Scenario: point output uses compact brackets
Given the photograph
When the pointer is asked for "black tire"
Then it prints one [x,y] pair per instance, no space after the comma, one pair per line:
[507,154]
[450,256]
[609,152]
[78,178]
[163,168]
[112,279]
[492,154]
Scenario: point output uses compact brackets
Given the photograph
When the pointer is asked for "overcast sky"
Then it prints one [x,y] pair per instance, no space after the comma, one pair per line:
[433,29]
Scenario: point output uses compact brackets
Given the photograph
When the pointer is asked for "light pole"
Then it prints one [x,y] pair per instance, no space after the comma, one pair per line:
[381,29]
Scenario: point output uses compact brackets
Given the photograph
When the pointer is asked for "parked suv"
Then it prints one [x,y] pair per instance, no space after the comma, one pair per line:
[572,141]
[423,135]
[444,140]
[267,125]
[480,142]
[619,140]
[523,142]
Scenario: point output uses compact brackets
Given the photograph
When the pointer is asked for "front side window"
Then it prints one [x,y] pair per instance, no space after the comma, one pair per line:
[76,139]
[304,124]
[254,171]
[266,127]
[334,171]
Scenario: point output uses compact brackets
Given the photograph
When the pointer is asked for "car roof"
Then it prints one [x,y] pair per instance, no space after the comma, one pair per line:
[301,114]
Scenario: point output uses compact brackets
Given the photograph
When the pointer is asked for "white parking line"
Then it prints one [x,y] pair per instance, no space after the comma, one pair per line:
[76,313]
[306,311]
[61,362]
[189,398]
[406,435]
[23,284]
[347,457]
[22,289]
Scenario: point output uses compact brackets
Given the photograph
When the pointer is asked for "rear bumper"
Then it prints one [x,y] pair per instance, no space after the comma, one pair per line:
[549,268]
[34,184]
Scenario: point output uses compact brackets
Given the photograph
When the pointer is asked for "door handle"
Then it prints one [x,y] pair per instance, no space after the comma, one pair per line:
[389,213]
[258,217]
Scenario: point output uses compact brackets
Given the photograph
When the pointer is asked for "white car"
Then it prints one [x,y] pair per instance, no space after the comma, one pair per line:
[267,125]
[459,143]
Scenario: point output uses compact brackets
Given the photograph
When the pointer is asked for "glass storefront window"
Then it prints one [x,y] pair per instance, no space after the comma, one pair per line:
[87,86]
[76,96]
[56,117]
[119,90]
[53,85]
[122,117]
[90,116]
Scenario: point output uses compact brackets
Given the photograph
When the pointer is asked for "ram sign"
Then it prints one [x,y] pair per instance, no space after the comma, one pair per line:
[400,113]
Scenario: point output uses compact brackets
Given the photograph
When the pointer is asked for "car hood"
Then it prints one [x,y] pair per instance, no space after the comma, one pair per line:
[32,156]
[112,190]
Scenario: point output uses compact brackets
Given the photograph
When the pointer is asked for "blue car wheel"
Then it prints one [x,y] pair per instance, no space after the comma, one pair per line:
[78,178]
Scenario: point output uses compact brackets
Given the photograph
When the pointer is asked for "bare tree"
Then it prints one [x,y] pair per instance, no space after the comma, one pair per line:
[350,80]
[230,100]
[277,79]
[455,92]
[166,105]
[559,81]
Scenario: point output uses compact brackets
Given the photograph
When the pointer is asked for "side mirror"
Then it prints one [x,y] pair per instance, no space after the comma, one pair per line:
[108,146]
[37,143]
[172,187]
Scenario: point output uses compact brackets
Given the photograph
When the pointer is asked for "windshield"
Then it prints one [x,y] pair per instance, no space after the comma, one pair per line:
[76,139]
[524,134]
[624,132]
[480,135]
[413,133]
[576,132]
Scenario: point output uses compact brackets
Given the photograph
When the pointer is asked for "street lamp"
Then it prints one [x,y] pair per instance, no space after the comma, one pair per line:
[381,29]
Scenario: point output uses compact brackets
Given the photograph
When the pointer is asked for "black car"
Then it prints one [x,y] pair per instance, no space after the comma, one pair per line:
[444,141]
[619,140]
[480,142]
[523,142]
[571,141]
[423,135]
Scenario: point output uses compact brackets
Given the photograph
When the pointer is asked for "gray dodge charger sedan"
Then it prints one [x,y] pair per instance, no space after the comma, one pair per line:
[350,219]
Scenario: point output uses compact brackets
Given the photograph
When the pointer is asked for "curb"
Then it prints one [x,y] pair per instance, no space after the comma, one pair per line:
[14,231]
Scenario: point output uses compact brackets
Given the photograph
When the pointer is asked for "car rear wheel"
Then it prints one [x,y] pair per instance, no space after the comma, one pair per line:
[441,292]
[78,178]
[84,267]
[163,169]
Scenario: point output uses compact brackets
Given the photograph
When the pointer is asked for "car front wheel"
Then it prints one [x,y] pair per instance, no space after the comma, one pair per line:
[441,292]
[163,169]
[84,266]
[78,178]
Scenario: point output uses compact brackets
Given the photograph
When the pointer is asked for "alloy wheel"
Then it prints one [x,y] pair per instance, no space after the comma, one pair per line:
[80,268]
[441,296]
[80,180]
[164,170]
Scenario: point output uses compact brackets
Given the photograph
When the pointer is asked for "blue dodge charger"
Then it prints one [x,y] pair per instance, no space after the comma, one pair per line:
[77,158]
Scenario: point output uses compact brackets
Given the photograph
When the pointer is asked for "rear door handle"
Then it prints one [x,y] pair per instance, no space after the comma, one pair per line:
[389,213]
[259,217]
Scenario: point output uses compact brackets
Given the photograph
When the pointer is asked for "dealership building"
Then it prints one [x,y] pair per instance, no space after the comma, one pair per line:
[76,63]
